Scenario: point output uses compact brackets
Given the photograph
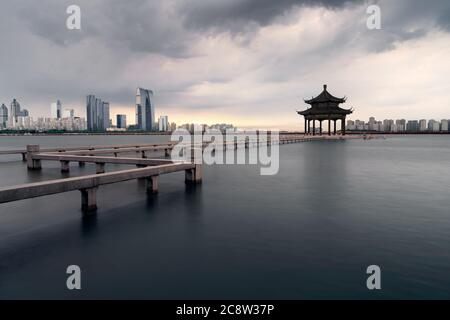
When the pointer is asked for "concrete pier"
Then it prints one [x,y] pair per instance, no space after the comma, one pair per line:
[65,166]
[99,167]
[33,164]
[193,175]
[152,184]
[89,200]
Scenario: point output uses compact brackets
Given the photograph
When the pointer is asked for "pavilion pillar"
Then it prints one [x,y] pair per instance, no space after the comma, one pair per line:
[314,127]
[305,127]
[320,127]
[334,121]
[309,126]
[343,126]
[329,127]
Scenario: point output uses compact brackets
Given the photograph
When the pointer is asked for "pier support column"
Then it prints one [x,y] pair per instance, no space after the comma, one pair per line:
[24,156]
[144,155]
[152,184]
[33,164]
[100,168]
[167,152]
[65,166]
[194,175]
[89,200]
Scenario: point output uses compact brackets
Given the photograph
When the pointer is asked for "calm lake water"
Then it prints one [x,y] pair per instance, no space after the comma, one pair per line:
[310,231]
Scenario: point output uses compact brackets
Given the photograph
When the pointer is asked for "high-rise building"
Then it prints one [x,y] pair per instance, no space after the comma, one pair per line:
[163,123]
[423,125]
[412,126]
[55,110]
[145,110]
[121,121]
[68,113]
[444,125]
[401,125]
[3,116]
[14,112]
[97,112]
[104,117]
[433,126]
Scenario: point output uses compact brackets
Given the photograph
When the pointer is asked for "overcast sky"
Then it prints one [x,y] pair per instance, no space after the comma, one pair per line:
[248,62]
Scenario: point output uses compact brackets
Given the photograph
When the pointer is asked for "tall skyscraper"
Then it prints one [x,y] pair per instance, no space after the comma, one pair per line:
[104,117]
[145,110]
[55,110]
[91,112]
[14,111]
[163,123]
[121,121]
[97,112]
[3,116]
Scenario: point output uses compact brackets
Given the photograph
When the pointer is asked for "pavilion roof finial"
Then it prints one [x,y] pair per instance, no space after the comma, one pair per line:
[324,87]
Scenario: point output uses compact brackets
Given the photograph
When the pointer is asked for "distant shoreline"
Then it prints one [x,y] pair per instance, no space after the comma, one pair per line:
[169,133]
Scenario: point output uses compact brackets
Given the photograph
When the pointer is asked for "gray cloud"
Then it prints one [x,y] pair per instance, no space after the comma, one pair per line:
[238,15]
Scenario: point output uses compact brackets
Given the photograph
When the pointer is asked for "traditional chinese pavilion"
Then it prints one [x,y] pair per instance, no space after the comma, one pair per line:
[324,107]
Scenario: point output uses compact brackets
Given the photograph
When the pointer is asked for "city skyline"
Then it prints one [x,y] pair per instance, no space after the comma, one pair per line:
[250,69]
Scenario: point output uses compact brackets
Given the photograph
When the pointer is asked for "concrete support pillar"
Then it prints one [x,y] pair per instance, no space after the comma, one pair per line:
[100,167]
[329,127]
[81,164]
[33,164]
[89,200]
[194,175]
[152,184]
[65,167]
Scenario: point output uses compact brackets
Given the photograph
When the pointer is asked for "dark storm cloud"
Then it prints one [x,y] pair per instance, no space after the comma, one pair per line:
[236,15]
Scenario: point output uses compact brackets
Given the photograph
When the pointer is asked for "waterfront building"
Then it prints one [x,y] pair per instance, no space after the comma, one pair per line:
[423,125]
[444,125]
[401,125]
[163,123]
[145,110]
[433,126]
[69,113]
[3,116]
[412,126]
[97,112]
[121,121]
[324,107]
[55,110]
[14,113]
